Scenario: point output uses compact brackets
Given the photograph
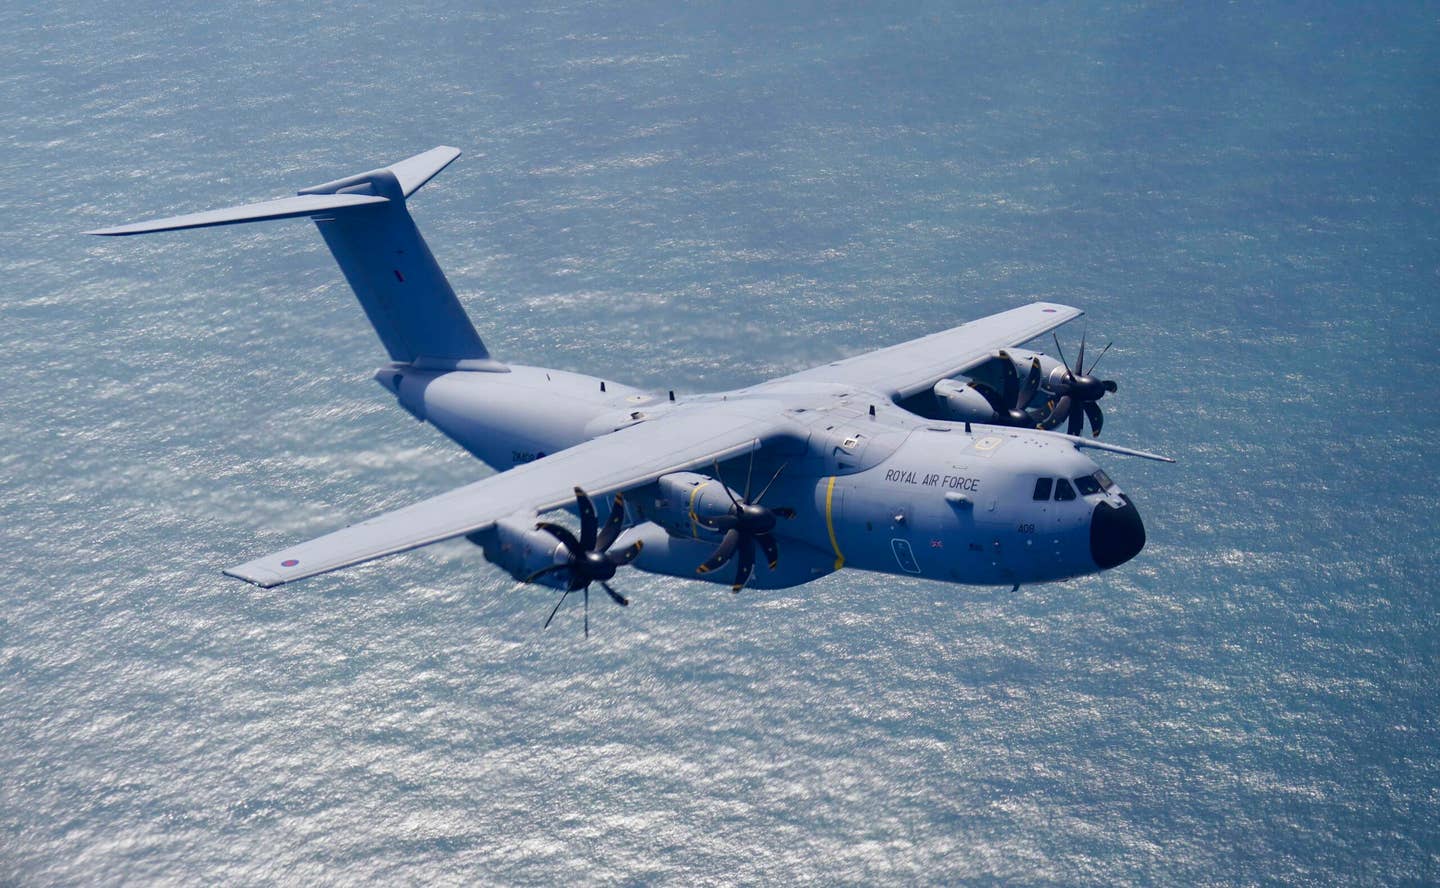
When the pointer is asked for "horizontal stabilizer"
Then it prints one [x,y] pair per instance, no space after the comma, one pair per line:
[410,173]
[284,208]
[416,171]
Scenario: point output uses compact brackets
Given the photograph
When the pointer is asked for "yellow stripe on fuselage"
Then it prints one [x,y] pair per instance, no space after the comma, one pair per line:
[830,522]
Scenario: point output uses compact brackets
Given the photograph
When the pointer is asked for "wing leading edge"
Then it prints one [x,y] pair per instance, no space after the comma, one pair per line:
[686,439]
[912,367]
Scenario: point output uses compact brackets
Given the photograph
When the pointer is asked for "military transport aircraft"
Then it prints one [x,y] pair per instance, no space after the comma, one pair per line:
[888,461]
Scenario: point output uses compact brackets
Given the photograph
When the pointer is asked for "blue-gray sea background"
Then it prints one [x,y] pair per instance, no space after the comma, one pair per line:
[1244,197]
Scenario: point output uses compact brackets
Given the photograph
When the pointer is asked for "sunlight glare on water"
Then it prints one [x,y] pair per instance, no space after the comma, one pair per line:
[1244,199]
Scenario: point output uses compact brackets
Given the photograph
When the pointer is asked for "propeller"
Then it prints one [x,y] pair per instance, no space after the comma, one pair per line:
[1078,391]
[747,525]
[1009,405]
[589,559]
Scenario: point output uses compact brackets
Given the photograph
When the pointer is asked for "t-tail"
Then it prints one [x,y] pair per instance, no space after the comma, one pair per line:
[371,235]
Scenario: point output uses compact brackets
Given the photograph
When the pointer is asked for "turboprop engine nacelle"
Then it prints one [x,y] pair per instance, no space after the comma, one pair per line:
[958,401]
[678,502]
[515,546]
[1052,372]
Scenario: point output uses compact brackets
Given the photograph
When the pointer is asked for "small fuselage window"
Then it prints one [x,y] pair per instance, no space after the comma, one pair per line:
[1087,485]
[1063,490]
[1042,488]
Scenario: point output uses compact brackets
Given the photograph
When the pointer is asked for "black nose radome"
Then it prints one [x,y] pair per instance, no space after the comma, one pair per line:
[1116,535]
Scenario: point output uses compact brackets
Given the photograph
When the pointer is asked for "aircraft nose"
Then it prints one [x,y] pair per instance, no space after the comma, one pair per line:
[1116,535]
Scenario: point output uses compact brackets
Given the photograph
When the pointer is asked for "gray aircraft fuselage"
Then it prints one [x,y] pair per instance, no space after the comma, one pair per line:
[872,486]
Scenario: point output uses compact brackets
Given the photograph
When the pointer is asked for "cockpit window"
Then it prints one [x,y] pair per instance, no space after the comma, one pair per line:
[1087,485]
[1063,490]
[1042,488]
[1104,479]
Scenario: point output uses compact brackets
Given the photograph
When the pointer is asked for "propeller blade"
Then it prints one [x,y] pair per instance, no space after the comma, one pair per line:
[1080,358]
[1058,412]
[1097,417]
[1077,422]
[563,595]
[722,552]
[611,530]
[554,568]
[1032,385]
[746,565]
[718,522]
[726,487]
[1091,371]
[749,473]
[626,555]
[587,519]
[1010,389]
[991,397]
[566,538]
[768,546]
[773,478]
[1061,352]
[614,596]
[1110,386]
[587,610]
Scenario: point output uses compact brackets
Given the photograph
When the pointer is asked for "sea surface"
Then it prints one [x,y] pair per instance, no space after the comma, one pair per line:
[1242,196]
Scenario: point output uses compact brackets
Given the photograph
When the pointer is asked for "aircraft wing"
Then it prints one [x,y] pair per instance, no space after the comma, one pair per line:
[690,437]
[912,367]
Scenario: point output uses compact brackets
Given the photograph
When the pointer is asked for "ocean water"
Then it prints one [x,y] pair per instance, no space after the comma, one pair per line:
[1243,197]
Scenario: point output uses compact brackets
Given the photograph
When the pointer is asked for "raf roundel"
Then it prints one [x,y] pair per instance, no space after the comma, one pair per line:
[289,562]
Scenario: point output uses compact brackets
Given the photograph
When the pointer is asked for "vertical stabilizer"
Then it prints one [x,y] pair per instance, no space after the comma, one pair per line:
[394,275]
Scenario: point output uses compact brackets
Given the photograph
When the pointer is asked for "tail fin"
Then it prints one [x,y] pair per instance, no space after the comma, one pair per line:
[371,235]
